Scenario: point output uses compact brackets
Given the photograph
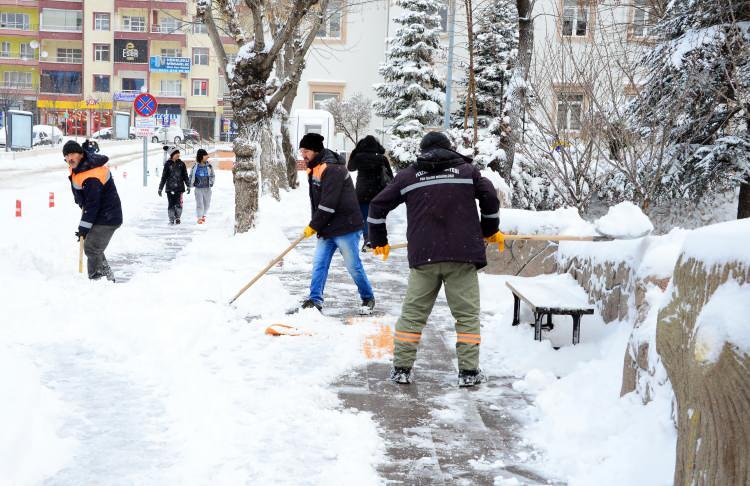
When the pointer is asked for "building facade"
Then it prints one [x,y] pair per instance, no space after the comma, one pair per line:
[73,63]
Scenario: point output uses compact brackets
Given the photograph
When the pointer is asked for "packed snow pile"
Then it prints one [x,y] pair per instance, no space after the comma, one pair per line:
[563,221]
[624,220]
[719,243]
[722,321]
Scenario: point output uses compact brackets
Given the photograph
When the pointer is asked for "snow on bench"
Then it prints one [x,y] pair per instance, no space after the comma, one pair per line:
[550,295]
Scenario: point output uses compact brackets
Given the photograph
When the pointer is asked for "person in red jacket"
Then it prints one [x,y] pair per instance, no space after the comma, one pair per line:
[336,218]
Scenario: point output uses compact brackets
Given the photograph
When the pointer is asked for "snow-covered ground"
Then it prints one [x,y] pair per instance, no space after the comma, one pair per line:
[158,381]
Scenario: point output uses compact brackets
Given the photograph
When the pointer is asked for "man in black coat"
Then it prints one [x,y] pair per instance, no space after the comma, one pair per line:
[335,218]
[175,178]
[373,174]
[445,246]
[95,193]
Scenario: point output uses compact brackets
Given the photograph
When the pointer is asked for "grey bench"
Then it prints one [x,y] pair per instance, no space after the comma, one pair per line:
[548,296]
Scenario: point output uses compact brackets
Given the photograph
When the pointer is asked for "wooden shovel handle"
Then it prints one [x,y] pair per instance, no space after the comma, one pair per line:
[532,238]
[268,267]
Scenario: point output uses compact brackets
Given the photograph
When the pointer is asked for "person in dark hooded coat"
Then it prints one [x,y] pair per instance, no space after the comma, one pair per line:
[445,247]
[373,174]
[176,181]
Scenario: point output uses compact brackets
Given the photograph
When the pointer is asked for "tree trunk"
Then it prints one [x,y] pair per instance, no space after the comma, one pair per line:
[712,392]
[743,205]
[246,183]
[286,141]
[525,47]
[270,159]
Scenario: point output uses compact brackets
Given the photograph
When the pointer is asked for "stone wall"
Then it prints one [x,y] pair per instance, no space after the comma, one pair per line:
[522,259]
[713,397]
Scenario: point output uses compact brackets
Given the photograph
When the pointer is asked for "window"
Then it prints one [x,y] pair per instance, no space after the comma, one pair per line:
[101,83]
[223,86]
[331,27]
[171,52]
[65,82]
[443,12]
[17,79]
[133,24]
[569,111]
[643,21]
[25,51]
[200,56]
[168,25]
[170,87]
[575,18]
[320,98]
[4,49]
[101,21]
[101,52]
[65,20]
[69,55]
[200,87]
[199,27]
[133,84]
[11,20]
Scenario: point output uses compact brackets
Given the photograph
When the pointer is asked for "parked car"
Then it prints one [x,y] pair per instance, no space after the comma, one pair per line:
[171,134]
[191,135]
[103,134]
[46,135]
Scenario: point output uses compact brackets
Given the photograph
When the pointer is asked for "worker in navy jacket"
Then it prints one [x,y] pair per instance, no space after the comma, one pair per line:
[336,219]
[95,193]
[445,246]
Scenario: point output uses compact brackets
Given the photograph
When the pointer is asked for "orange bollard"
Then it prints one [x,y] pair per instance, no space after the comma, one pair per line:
[18,208]
[52,199]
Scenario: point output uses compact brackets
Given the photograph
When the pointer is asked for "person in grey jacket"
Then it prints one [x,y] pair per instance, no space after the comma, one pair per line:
[202,179]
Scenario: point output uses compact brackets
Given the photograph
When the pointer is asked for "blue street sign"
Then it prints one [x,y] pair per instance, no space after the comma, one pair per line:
[163,64]
[145,104]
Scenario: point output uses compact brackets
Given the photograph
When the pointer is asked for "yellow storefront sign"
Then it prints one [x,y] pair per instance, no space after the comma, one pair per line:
[73,105]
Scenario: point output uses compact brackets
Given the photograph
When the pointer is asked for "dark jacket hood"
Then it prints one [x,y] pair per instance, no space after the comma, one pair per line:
[369,144]
[438,158]
[90,161]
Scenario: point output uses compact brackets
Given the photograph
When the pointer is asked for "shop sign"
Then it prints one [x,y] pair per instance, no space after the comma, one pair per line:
[131,51]
[128,96]
[163,64]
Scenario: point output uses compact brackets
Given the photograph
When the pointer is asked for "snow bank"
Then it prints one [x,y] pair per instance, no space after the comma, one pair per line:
[564,221]
[30,416]
[719,243]
[723,321]
[624,220]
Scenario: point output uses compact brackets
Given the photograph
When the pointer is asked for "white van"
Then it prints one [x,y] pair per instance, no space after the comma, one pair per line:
[313,121]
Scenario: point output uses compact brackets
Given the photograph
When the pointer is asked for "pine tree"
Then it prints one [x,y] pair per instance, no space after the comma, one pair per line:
[495,54]
[413,91]
[695,92]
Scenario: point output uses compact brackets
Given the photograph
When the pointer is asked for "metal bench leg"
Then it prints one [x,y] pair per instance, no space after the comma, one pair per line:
[538,326]
[576,328]
[516,310]
[550,326]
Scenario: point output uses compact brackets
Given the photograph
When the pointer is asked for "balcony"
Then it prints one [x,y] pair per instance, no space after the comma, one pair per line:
[22,30]
[16,58]
[20,88]
[61,28]
[63,59]
[171,94]
[171,29]
[140,29]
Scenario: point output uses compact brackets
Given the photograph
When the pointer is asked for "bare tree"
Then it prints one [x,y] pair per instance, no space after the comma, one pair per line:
[11,95]
[351,115]
[254,92]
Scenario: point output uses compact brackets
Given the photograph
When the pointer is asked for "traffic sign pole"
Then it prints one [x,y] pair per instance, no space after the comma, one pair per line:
[145,105]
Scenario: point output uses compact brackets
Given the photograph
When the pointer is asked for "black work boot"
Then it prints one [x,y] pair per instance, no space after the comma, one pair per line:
[309,304]
[401,375]
[367,306]
[468,378]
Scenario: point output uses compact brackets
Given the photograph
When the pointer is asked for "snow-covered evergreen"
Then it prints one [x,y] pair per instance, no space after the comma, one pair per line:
[413,92]
[696,91]
[495,53]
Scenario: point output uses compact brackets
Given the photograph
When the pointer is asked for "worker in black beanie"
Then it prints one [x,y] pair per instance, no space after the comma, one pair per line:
[336,218]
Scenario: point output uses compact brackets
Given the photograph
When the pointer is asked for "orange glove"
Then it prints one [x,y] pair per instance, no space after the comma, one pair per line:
[498,238]
[308,232]
[382,250]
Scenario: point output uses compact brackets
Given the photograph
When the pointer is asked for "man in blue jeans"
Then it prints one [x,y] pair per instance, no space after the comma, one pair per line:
[336,218]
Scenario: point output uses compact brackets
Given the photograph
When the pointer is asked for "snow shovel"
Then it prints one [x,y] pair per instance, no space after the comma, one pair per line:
[268,267]
[80,254]
[599,237]
[284,330]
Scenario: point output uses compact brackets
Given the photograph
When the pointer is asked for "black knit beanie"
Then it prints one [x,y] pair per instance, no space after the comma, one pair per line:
[72,147]
[312,141]
[435,139]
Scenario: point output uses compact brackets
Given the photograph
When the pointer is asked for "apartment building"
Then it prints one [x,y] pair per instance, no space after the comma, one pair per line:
[73,63]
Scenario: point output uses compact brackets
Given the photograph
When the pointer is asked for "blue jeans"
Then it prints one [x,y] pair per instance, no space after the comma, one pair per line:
[348,246]
[365,210]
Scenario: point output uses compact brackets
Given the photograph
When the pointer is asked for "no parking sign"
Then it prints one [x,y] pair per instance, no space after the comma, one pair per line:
[145,104]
